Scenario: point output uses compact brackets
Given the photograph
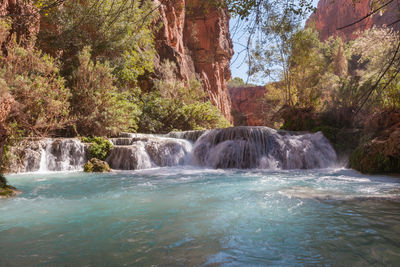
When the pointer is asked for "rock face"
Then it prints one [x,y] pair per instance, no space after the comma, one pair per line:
[24,20]
[333,14]
[246,101]
[196,37]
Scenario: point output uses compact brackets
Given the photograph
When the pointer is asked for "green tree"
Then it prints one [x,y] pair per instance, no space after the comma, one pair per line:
[118,31]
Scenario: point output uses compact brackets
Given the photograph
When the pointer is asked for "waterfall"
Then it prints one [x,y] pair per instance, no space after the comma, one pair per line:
[48,155]
[139,151]
[262,147]
[237,147]
[188,135]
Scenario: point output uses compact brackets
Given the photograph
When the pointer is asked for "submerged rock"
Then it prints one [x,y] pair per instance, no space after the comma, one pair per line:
[96,165]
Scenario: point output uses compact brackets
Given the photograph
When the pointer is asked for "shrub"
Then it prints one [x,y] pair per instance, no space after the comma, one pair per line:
[200,116]
[98,104]
[178,105]
[33,80]
[99,148]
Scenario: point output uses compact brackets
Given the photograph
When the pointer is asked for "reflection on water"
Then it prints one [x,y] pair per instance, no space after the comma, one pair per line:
[193,217]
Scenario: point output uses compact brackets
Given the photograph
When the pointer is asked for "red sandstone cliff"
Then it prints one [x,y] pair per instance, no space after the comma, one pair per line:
[246,100]
[333,14]
[196,37]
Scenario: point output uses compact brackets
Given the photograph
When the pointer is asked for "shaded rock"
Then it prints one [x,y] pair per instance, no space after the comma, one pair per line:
[380,152]
[247,101]
[96,165]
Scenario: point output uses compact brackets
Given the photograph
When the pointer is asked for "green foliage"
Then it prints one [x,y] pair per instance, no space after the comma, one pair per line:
[118,31]
[334,79]
[201,116]
[99,106]
[100,147]
[373,162]
[238,82]
[177,105]
[34,82]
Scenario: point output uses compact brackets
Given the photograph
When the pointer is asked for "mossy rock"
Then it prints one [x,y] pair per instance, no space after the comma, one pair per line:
[96,165]
[8,191]
[369,158]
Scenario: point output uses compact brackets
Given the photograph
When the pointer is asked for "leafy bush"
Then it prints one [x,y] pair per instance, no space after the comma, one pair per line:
[178,105]
[120,32]
[33,80]
[200,116]
[99,106]
[99,148]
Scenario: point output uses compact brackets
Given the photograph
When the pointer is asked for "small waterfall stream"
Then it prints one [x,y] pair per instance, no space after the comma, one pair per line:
[237,147]
[48,155]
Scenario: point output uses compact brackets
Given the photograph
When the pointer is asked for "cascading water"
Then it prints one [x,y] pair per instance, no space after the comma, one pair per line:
[48,155]
[238,147]
[140,151]
[262,147]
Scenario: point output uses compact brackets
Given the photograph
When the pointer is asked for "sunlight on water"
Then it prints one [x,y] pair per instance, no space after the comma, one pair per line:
[193,216]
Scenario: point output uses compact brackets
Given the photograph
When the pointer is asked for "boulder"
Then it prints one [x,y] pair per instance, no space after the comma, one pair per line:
[96,165]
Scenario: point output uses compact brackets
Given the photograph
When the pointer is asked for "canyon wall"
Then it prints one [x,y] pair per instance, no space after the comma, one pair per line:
[196,37]
[333,14]
[246,101]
